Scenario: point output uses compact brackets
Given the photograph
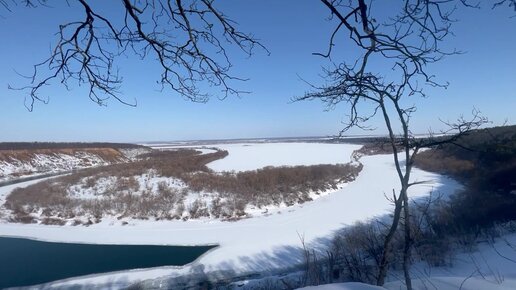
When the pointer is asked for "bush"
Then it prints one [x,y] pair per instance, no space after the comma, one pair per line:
[198,209]
[358,250]
[53,221]
[127,184]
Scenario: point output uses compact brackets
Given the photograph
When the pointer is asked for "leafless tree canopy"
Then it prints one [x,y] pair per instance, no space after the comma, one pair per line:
[408,42]
[188,39]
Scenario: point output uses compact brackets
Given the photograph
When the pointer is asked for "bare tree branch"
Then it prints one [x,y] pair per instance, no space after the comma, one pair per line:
[407,42]
[188,39]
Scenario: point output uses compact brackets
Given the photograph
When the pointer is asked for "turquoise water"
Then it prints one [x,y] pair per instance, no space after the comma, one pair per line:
[26,262]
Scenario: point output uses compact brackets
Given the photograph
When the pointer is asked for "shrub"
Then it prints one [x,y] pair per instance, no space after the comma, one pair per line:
[358,249]
[53,221]
[126,184]
[198,209]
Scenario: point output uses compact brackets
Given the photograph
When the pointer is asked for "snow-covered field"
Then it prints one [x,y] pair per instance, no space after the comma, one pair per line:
[264,243]
[281,154]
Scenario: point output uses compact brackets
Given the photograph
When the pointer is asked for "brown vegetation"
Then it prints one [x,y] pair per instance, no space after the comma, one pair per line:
[273,185]
[375,147]
[124,196]
[27,155]
[485,161]
[441,162]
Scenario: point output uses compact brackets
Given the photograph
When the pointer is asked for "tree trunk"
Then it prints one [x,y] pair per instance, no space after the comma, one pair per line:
[408,243]
[384,262]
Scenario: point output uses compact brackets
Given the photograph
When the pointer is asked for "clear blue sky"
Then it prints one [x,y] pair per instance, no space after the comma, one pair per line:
[484,77]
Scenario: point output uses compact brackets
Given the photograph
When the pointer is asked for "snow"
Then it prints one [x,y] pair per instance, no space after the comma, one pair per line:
[344,286]
[201,149]
[454,283]
[492,265]
[205,150]
[281,154]
[147,182]
[132,153]
[264,243]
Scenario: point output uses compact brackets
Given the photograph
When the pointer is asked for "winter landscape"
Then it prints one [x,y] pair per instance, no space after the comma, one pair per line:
[262,245]
[207,144]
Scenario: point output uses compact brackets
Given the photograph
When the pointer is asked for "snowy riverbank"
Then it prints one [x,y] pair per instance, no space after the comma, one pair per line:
[264,243]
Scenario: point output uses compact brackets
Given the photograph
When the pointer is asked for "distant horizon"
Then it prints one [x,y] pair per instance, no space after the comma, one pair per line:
[164,141]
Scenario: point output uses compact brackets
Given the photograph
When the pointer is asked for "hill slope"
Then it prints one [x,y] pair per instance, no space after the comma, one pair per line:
[27,159]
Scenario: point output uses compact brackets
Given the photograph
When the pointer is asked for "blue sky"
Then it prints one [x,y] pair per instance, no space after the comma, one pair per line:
[483,78]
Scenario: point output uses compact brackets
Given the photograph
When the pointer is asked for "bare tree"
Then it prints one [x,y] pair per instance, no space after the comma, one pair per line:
[407,42]
[188,39]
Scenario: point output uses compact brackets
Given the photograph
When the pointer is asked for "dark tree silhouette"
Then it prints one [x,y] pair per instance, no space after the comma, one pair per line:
[188,39]
[407,42]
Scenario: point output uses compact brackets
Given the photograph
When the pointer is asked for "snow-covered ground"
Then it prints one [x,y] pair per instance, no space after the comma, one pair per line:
[264,243]
[202,149]
[344,286]
[281,154]
[492,266]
